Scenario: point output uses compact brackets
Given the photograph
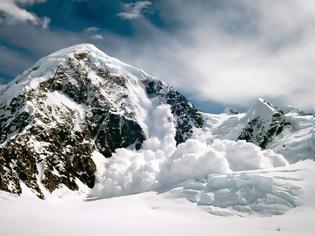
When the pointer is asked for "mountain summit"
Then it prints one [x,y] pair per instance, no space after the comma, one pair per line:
[264,122]
[71,103]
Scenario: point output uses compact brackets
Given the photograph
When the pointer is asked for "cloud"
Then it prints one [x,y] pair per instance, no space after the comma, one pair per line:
[92,29]
[93,34]
[232,52]
[224,51]
[133,10]
[97,37]
[45,22]
[12,13]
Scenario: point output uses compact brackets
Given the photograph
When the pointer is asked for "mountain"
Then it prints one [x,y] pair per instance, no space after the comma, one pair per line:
[71,103]
[83,120]
[264,123]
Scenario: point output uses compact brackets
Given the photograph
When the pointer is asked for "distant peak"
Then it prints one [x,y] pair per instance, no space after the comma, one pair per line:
[262,109]
[262,103]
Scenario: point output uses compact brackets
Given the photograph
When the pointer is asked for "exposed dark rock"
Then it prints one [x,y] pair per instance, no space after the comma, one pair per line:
[257,133]
[115,132]
[186,115]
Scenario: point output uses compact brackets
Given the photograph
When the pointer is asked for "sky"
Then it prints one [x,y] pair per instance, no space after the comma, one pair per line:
[219,53]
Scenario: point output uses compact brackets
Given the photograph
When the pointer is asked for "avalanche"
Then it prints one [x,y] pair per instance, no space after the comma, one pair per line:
[165,183]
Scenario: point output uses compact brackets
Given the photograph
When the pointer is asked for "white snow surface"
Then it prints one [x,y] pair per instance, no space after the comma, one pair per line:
[58,99]
[166,213]
[263,110]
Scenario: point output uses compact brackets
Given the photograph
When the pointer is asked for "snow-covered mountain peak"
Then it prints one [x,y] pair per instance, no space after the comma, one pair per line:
[84,55]
[264,121]
[96,57]
[262,109]
[76,101]
[75,108]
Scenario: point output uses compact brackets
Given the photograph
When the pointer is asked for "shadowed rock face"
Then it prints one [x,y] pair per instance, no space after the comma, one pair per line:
[45,144]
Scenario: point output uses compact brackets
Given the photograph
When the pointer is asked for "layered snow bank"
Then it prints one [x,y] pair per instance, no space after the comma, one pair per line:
[174,212]
[160,164]
[266,192]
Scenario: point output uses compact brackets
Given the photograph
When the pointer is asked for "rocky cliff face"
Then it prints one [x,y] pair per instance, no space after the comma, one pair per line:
[71,103]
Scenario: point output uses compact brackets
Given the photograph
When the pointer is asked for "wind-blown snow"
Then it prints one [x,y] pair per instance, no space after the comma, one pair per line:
[160,164]
[223,176]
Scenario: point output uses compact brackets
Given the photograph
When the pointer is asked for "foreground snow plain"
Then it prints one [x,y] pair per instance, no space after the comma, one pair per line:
[156,213]
[207,185]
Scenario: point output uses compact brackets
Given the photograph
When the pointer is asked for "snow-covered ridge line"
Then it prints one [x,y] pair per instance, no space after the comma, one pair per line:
[45,68]
[262,109]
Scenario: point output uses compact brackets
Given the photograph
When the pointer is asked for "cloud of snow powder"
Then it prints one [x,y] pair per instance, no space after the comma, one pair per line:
[161,164]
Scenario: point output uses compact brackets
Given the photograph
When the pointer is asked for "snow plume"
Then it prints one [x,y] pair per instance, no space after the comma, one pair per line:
[160,164]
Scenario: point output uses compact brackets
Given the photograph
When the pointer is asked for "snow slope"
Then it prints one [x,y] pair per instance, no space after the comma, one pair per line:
[297,141]
[153,213]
